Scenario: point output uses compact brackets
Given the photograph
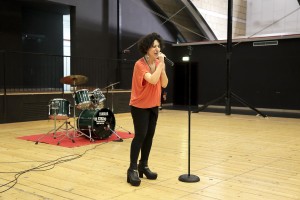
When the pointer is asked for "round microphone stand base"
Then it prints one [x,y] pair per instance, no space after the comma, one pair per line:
[189,178]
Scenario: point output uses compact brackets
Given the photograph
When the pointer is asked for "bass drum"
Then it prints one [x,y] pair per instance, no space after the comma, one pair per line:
[101,123]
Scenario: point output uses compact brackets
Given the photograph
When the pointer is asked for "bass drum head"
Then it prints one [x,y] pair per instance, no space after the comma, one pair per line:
[101,122]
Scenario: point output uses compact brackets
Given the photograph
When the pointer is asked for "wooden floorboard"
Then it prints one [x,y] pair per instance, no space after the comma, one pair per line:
[235,157]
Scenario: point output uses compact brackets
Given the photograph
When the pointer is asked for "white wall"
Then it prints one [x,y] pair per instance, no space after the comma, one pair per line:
[215,14]
[262,13]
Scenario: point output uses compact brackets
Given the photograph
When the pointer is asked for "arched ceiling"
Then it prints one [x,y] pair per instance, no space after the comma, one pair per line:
[186,19]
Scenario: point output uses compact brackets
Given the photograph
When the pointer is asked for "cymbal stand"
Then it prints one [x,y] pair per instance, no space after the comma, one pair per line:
[112,98]
[112,95]
[112,106]
[76,132]
[112,101]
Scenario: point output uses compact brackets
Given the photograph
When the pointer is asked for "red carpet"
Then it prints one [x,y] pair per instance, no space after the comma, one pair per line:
[78,141]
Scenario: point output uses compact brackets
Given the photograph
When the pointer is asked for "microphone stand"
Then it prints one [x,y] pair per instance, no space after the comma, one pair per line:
[189,178]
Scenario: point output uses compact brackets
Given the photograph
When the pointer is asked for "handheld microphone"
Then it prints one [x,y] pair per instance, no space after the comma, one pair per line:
[170,62]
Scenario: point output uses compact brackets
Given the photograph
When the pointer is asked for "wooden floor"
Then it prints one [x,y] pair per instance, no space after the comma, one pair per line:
[235,157]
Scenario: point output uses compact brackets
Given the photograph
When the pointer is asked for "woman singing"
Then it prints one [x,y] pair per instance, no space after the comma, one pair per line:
[148,79]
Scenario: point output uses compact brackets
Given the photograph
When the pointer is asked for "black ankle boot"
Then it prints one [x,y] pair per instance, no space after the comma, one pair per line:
[132,177]
[144,169]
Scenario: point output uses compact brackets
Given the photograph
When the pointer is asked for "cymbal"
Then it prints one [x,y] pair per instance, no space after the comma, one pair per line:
[74,80]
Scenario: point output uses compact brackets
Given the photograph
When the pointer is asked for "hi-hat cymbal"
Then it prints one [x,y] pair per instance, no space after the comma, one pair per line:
[74,79]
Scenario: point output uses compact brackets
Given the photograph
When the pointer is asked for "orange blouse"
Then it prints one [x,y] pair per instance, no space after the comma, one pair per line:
[143,93]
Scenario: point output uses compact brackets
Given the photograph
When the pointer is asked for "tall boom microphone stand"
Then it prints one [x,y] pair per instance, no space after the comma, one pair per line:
[228,94]
[189,178]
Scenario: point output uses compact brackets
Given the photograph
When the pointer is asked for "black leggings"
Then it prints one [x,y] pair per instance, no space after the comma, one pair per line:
[144,121]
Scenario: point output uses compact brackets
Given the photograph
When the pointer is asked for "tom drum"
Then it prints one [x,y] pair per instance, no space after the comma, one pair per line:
[82,99]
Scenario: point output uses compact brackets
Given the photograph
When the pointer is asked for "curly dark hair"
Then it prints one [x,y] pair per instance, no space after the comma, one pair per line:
[146,42]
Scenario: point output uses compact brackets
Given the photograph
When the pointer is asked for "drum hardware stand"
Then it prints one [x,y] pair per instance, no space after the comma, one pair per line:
[114,132]
[112,101]
[75,127]
[54,130]
[112,98]
[90,132]
[73,80]
[124,129]
[67,132]
[112,95]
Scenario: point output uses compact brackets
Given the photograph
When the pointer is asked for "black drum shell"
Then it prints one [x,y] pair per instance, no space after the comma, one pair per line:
[100,122]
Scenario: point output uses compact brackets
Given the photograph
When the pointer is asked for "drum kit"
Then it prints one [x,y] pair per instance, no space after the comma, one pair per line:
[94,121]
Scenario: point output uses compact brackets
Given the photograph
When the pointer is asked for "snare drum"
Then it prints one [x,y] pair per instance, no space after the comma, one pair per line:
[97,98]
[100,122]
[59,108]
[82,99]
